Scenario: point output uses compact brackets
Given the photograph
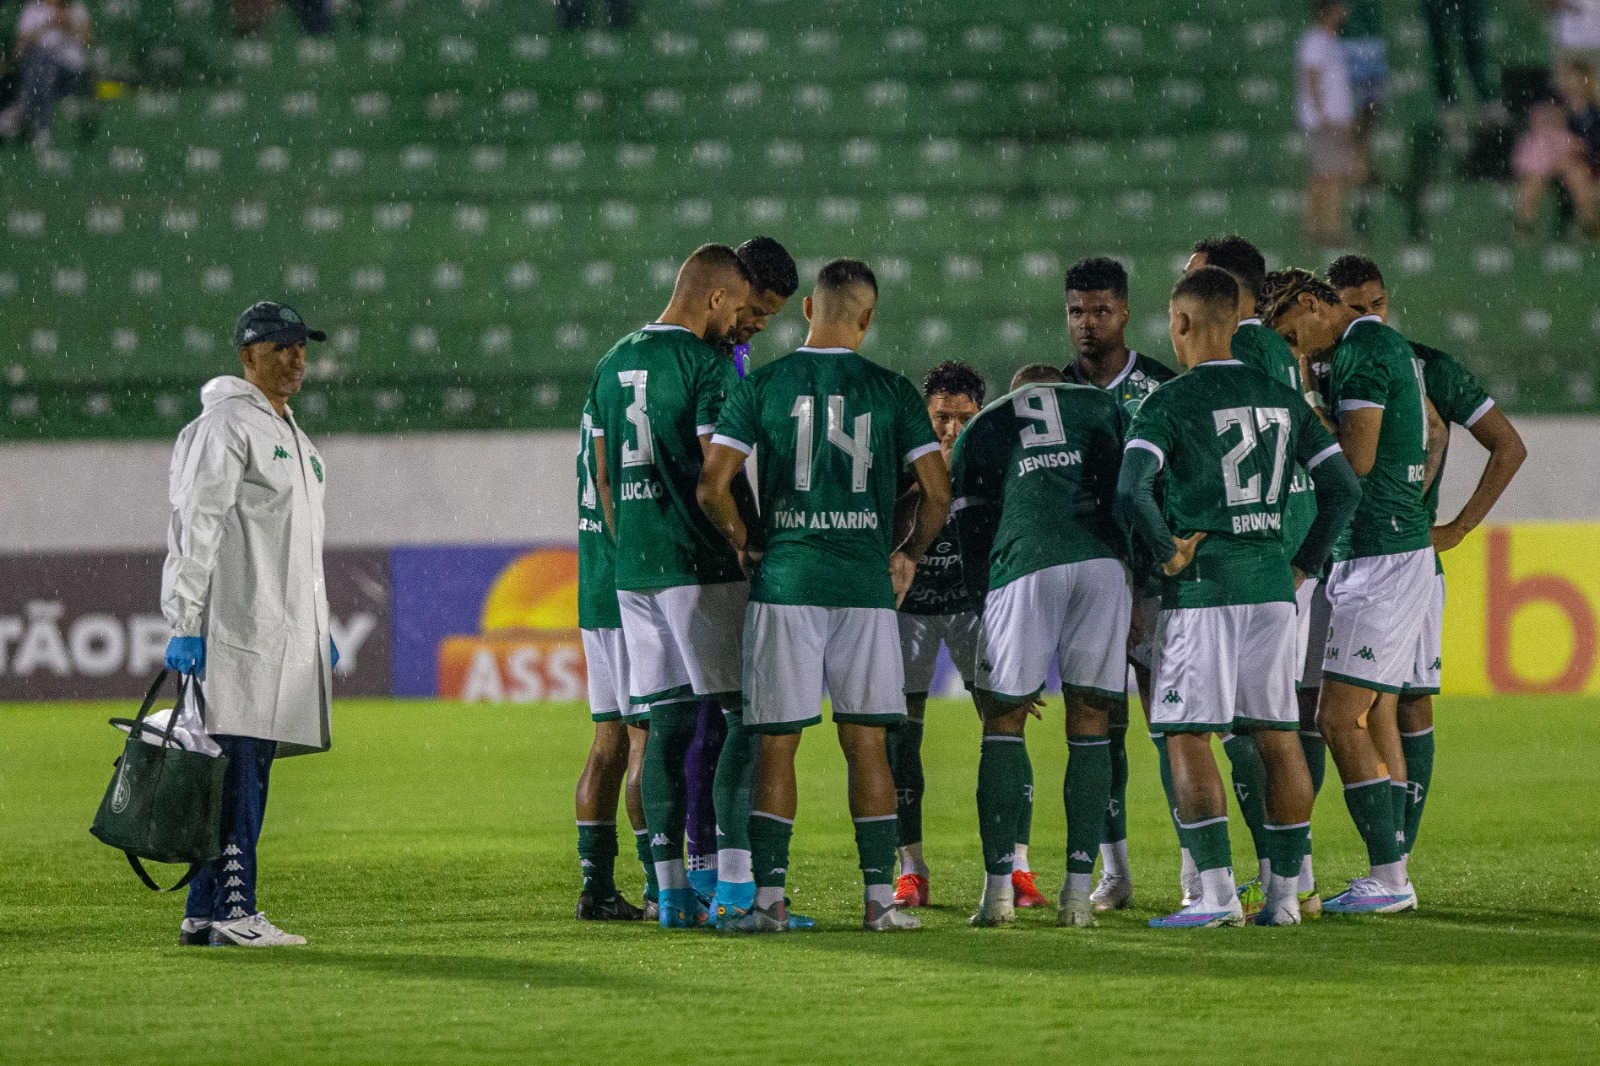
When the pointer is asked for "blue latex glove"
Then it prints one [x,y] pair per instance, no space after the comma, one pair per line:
[187,655]
[333,650]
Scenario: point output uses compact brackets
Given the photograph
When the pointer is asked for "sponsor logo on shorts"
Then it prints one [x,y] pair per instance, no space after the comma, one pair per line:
[1366,653]
[1172,696]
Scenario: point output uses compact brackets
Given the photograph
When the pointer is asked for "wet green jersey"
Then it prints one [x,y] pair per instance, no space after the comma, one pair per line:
[597,558]
[1043,462]
[1228,438]
[1374,366]
[654,396]
[1460,401]
[939,587]
[1138,379]
[831,431]
[1263,349]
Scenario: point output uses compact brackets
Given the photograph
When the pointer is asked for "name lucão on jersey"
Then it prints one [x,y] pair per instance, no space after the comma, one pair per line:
[1049,460]
[642,490]
[825,519]
[1255,523]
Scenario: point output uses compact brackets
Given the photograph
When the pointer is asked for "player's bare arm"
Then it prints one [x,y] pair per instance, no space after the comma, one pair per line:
[933,507]
[715,493]
[1359,429]
[1438,443]
[602,486]
[1506,454]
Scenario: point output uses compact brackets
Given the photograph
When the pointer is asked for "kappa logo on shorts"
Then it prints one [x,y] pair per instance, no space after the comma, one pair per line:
[1172,696]
[1437,663]
[1366,653]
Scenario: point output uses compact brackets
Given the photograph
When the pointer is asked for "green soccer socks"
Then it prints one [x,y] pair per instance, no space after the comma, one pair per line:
[1250,789]
[597,857]
[904,742]
[641,848]
[769,856]
[1371,806]
[1316,752]
[1207,843]
[665,790]
[1114,848]
[1087,792]
[1002,772]
[875,844]
[732,796]
[1418,748]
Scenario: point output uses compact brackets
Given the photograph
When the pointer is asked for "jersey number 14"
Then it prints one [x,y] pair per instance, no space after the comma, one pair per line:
[857,445]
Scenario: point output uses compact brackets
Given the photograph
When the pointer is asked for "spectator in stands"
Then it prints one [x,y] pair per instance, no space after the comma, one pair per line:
[1327,113]
[53,39]
[1575,29]
[1575,81]
[1546,152]
[1366,57]
[252,16]
[574,14]
[1448,19]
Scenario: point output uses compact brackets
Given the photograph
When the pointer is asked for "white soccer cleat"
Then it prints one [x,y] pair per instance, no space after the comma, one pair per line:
[252,931]
[1368,895]
[1202,915]
[994,911]
[1113,893]
[890,919]
[1076,909]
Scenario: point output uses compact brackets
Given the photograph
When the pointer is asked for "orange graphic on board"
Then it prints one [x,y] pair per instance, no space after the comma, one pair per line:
[528,647]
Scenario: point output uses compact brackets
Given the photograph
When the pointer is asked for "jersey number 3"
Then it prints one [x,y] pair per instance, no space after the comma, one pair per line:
[1251,420]
[643,451]
[858,446]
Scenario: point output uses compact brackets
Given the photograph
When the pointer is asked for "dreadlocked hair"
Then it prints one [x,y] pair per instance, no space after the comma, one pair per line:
[1282,290]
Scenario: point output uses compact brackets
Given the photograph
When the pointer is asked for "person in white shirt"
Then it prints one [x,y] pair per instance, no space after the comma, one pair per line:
[1327,113]
[1575,29]
[53,39]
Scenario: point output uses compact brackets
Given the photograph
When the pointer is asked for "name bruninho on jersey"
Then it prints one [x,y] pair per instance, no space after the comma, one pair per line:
[1048,461]
[1254,523]
[825,519]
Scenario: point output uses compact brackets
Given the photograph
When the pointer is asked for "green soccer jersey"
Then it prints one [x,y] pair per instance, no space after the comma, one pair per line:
[1458,398]
[597,556]
[1373,366]
[1044,460]
[1263,349]
[939,587]
[654,395]
[831,431]
[1138,379]
[1228,438]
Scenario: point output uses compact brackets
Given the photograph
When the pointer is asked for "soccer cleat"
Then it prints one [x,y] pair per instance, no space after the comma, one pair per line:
[798,923]
[252,931]
[773,919]
[890,919]
[680,909]
[1025,891]
[1200,916]
[1311,904]
[704,883]
[593,907]
[911,890]
[1075,909]
[993,912]
[732,900]
[1113,893]
[652,911]
[195,933]
[1279,915]
[1367,895]
[1252,897]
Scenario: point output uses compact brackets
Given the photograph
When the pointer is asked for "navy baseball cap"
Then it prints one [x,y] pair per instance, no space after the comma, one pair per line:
[269,321]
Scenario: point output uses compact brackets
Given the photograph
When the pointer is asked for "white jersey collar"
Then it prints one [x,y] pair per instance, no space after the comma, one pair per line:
[1363,318]
[1254,320]
[1217,362]
[826,351]
[1126,370]
[657,327]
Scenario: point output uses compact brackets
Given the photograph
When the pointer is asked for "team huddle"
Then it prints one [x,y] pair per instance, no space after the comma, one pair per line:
[1254,536]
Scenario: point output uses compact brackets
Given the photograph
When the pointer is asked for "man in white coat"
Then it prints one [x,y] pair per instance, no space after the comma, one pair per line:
[244,593]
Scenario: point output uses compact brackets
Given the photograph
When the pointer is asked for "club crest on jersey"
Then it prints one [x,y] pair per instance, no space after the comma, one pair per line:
[316,466]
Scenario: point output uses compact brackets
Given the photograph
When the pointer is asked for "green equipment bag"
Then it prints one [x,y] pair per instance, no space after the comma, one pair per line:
[164,803]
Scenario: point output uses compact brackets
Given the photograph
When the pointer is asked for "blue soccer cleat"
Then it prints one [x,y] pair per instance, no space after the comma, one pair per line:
[680,909]
[1201,915]
[1368,895]
[798,923]
[704,883]
[732,900]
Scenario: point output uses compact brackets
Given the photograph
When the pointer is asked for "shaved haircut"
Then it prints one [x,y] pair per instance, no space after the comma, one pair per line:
[1214,289]
[1037,374]
[711,267]
[845,288]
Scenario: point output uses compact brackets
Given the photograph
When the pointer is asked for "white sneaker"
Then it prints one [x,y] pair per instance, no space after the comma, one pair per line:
[1075,909]
[994,910]
[1368,895]
[1113,893]
[890,919]
[253,931]
[195,933]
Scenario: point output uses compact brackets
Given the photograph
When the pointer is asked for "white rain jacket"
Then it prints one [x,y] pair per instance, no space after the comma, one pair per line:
[244,568]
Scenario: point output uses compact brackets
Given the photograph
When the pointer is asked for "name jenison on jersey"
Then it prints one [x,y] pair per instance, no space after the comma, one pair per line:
[1048,461]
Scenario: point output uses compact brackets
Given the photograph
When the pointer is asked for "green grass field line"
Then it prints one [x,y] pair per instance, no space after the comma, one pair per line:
[430,859]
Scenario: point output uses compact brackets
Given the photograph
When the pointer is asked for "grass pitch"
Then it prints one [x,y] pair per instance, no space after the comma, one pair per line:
[430,860]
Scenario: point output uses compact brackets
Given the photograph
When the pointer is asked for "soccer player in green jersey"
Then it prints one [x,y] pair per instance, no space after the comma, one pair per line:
[655,400]
[936,611]
[831,432]
[1097,322]
[1460,401]
[1264,350]
[1034,477]
[1381,581]
[1228,437]
[617,751]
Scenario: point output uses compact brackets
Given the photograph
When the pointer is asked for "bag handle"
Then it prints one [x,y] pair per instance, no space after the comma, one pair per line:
[187,685]
[138,868]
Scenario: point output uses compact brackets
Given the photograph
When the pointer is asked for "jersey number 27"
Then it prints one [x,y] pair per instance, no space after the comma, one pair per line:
[1251,421]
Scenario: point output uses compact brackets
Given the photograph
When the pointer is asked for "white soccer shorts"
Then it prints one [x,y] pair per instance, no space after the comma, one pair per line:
[1142,631]
[684,641]
[920,636]
[791,652]
[605,657]
[1076,613]
[1377,607]
[1222,669]
[1429,662]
